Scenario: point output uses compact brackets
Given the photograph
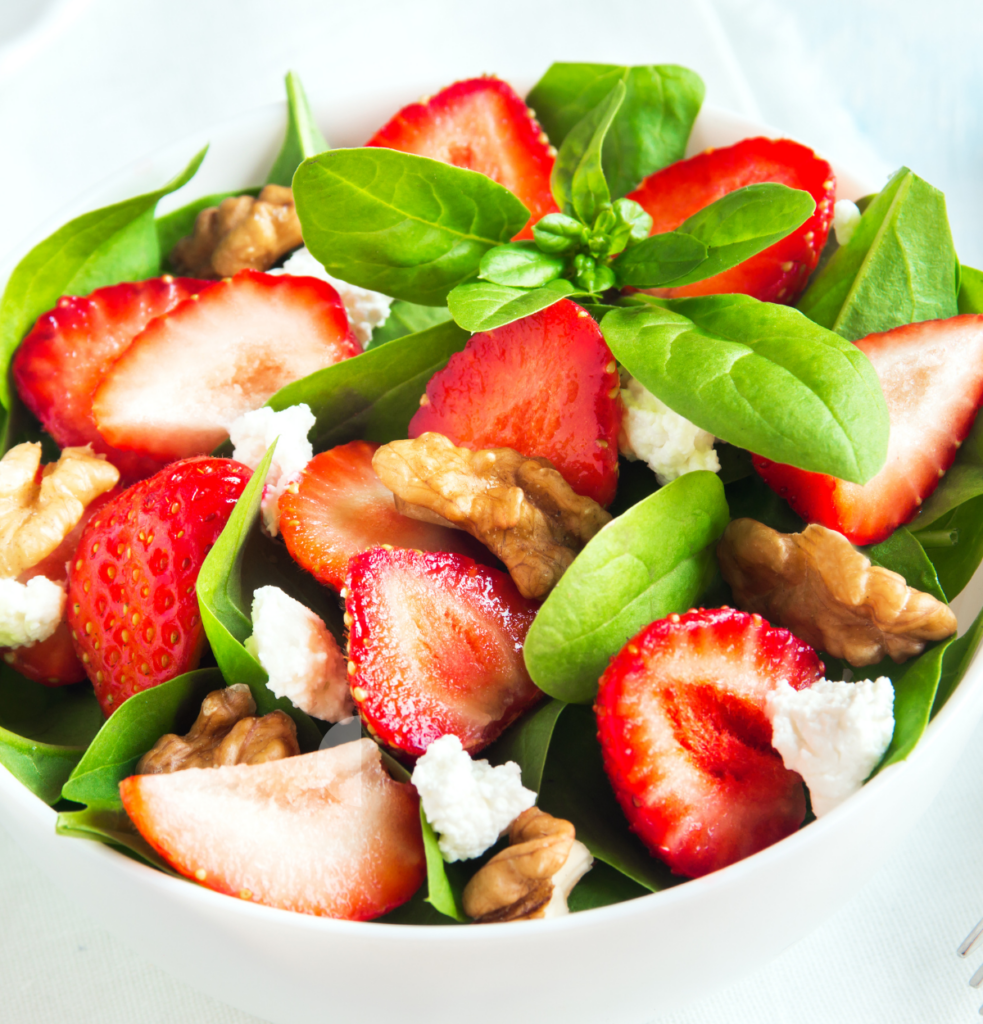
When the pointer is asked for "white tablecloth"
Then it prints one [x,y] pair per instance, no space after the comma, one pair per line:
[88,85]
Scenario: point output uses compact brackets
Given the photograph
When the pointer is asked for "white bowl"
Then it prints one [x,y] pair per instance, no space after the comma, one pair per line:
[615,964]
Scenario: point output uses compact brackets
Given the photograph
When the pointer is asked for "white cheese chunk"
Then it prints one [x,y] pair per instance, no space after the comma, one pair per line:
[30,611]
[846,217]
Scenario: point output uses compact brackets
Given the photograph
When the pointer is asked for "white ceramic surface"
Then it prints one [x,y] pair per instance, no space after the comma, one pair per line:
[615,964]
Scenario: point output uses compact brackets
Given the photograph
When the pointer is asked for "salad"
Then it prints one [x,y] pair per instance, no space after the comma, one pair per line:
[508,517]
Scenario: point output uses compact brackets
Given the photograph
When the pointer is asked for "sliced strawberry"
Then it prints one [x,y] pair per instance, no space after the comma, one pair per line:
[328,833]
[339,507]
[544,385]
[686,740]
[483,125]
[184,379]
[70,349]
[435,647]
[932,376]
[780,273]
[132,605]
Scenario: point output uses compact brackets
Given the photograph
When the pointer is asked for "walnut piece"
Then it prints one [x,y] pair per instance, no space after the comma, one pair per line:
[225,732]
[35,517]
[241,233]
[818,585]
[534,876]
[520,508]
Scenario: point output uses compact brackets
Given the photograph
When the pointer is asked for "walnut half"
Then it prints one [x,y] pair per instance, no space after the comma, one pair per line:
[224,733]
[816,584]
[520,508]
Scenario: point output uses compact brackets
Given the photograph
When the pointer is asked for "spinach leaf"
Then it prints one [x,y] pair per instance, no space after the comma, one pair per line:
[373,396]
[223,603]
[970,290]
[660,259]
[751,498]
[401,224]
[602,886]
[954,543]
[761,377]
[172,227]
[100,248]
[898,268]
[483,306]
[635,482]
[44,731]
[407,318]
[527,743]
[113,828]
[440,892]
[649,132]
[956,660]
[303,137]
[652,561]
[903,554]
[520,265]
[134,727]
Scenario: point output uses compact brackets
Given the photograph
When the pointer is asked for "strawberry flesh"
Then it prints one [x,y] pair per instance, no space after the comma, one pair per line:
[435,647]
[686,740]
[546,385]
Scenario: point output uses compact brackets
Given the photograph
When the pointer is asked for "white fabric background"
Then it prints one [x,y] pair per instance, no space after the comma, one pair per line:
[88,85]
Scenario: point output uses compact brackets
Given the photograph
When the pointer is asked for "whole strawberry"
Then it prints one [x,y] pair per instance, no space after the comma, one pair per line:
[132,604]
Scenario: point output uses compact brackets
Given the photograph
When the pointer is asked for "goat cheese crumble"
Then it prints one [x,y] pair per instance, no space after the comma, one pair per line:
[30,611]
[846,217]
[253,432]
[833,734]
[467,802]
[366,309]
[302,659]
[666,441]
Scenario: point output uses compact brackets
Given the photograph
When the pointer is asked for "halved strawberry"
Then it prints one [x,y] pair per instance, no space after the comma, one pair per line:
[328,833]
[483,125]
[70,349]
[780,273]
[544,385]
[435,647]
[132,605]
[184,379]
[339,507]
[686,740]
[932,376]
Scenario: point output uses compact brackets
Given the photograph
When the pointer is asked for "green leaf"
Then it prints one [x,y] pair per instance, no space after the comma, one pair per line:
[483,306]
[578,183]
[223,601]
[602,886]
[520,265]
[761,377]
[659,260]
[134,727]
[649,132]
[303,137]
[903,554]
[113,828]
[44,731]
[954,543]
[440,893]
[113,244]
[401,224]
[962,481]
[527,743]
[407,318]
[898,268]
[751,498]
[373,396]
[558,233]
[970,290]
[956,660]
[174,226]
[648,563]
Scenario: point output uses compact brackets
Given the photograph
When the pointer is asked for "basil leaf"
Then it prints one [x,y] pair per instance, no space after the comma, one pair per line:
[520,265]
[44,731]
[898,268]
[956,661]
[223,603]
[558,233]
[113,828]
[483,306]
[134,727]
[303,138]
[527,742]
[100,248]
[649,132]
[759,376]
[903,554]
[970,290]
[653,560]
[407,318]
[954,543]
[577,182]
[174,226]
[373,396]
[440,893]
[401,224]
[659,260]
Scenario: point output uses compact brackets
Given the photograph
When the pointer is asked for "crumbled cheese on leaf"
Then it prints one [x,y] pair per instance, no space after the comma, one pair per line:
[30,611]
[846,217]
[467,802]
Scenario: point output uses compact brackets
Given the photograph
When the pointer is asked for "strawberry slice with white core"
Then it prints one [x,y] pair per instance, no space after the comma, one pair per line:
[328,833]
[932,376]
[188,376]
[686,737]
[435,647]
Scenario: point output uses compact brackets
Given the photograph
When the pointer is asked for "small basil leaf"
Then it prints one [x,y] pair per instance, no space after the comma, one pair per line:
[759,376]
[303,138]
[653,560]
[649,132]
[482,306]
[970,290]
[527,743]
[898,267]
[440,892]
[560,234]
[174,226]
[401,224]
[109,245]
[520,265]
[591,275]
[577,181]
[407,318]
[631,225]
[659,260]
